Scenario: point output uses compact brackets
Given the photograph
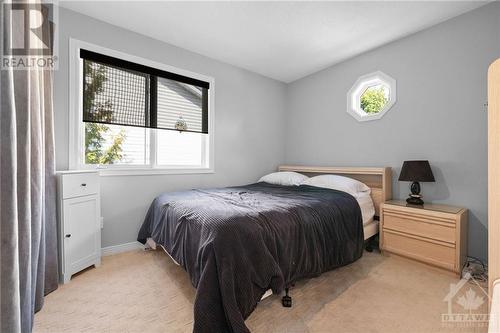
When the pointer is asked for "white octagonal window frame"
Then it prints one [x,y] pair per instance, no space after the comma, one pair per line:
[360,86]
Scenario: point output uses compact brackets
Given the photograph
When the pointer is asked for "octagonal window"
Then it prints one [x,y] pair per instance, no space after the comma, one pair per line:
[371,96]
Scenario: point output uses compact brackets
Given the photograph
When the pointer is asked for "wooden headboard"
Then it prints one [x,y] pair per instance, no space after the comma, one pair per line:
[378,179]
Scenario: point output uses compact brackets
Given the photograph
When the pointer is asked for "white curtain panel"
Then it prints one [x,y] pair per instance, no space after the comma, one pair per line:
[28,231]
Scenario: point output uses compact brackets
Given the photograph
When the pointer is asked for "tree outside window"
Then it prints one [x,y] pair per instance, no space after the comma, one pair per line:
[96,149]
[374,99]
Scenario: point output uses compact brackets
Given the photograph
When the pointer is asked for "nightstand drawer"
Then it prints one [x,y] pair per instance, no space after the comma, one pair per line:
[421,226]
[79,184]
[436,253]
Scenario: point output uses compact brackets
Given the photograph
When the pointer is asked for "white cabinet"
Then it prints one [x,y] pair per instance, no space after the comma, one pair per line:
[79,222]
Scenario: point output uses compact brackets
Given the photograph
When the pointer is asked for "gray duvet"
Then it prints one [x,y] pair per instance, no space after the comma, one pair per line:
[237,242]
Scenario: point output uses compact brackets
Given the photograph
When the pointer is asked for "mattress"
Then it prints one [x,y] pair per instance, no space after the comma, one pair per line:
[367,209]
[370,229]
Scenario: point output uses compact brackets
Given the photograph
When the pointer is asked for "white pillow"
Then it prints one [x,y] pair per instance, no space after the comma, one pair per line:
[345,184]
[285,178]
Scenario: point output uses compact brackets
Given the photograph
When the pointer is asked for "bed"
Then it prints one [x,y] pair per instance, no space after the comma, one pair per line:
[236,243]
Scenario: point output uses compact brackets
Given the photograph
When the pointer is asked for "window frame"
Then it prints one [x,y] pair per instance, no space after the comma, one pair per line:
[77,126]
[360,86]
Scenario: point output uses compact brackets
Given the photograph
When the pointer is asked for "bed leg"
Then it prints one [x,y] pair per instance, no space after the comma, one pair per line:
[286,300]
[369,246]
[371,243]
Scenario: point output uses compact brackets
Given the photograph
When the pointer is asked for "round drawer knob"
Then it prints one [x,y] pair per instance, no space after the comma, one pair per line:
[84,184]
[67,235]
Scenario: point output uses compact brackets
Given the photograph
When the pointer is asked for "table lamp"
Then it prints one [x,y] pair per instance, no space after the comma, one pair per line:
[415,172]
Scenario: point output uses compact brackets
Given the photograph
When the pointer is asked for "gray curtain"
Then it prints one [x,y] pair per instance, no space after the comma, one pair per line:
[28,231]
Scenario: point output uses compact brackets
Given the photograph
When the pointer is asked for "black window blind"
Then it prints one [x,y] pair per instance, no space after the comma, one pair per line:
[120,92]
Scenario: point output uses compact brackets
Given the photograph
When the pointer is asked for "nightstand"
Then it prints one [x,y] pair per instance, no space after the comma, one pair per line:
[79,221]
[433,234]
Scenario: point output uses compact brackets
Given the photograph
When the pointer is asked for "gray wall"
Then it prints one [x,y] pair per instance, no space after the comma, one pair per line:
[439,115]
[249,138]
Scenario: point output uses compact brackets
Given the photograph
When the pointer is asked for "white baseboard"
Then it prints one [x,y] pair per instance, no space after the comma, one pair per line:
[115,249]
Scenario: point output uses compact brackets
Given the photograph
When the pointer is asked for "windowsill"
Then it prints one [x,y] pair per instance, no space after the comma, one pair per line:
[149,171]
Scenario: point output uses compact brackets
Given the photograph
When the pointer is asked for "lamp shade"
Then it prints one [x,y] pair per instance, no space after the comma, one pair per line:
[416,171]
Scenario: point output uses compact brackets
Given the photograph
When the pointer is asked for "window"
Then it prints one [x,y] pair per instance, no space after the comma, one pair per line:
[371,96]
[133,114]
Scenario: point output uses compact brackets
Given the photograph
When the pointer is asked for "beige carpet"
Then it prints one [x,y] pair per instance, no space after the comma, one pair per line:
[144,291]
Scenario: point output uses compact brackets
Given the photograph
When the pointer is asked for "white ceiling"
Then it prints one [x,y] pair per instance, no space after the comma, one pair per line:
[281,40]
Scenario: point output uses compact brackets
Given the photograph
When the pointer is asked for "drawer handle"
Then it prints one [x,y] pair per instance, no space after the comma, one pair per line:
[67,235]
[84,184]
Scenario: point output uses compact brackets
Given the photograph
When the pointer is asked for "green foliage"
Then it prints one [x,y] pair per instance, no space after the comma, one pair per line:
[373,100]
[95,153]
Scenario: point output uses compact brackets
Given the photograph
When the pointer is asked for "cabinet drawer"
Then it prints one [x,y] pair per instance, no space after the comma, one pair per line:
[421,226]
[442,255]
[79,184]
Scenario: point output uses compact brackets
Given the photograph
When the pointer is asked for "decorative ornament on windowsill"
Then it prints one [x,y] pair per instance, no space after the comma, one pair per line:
[181,125]
[415,172]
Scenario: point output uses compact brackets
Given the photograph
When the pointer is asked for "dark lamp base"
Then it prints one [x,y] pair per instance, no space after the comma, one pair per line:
[415,198]
[415,201]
